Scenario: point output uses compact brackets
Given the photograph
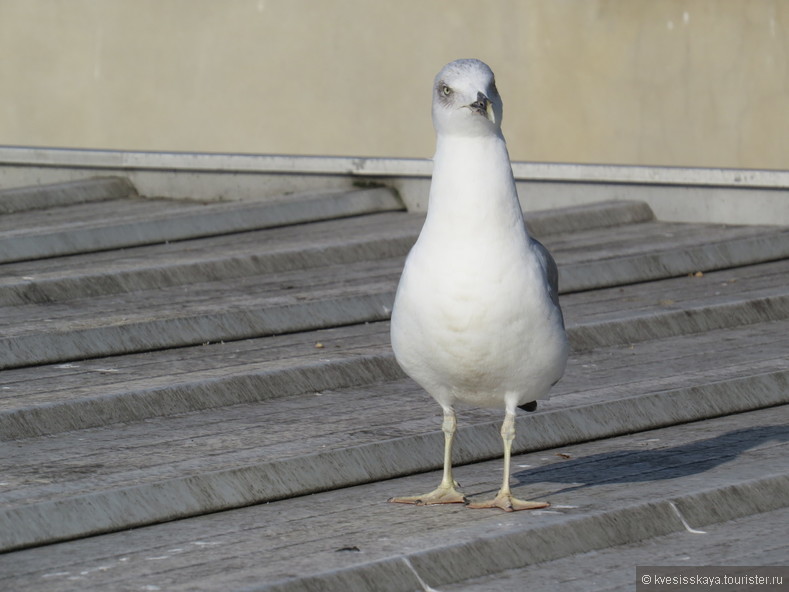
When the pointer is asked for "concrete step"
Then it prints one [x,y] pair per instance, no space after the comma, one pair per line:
[97,480]
[642,253]
[121,223]
[222,259]
[363,291]
[617,491]
[684,305]
[240,254]
[87,393]
[166,359]
[749,541]
[645,250]
[62,194]
[651,251]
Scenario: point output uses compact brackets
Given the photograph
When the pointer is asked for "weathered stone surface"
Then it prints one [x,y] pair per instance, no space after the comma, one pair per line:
[237,353]
[362,290]
[609,492]
[753,541]
[61,194]
[83,228]
[147,472]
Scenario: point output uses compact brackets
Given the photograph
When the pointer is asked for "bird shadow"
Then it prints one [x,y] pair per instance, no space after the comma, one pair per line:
[642,465]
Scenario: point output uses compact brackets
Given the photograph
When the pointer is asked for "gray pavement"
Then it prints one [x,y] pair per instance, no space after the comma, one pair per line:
[605,493]
[202,396]
[757,540]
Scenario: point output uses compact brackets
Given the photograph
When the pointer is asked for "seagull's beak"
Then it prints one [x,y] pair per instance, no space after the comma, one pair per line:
[483,106]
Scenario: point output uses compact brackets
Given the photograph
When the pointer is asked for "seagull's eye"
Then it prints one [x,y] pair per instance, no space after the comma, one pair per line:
[445,90]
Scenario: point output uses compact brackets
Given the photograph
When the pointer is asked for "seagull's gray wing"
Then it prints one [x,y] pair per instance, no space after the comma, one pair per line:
[551,273]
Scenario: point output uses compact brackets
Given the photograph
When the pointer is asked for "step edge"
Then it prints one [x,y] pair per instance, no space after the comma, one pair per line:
[268,481]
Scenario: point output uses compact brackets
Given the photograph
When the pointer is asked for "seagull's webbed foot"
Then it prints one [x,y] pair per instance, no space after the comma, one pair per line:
[443,494]
[504,498]
[446,492]
[508,503]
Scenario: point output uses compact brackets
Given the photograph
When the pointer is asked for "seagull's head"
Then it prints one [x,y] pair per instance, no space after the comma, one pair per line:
[465,100]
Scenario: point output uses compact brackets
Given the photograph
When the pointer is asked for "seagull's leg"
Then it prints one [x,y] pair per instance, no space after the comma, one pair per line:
[504,498]
[445,493]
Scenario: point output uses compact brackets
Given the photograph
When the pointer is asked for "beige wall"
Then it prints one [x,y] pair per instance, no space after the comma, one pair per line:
[695,82]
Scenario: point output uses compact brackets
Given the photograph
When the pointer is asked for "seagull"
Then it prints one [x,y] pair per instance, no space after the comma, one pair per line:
[476,318]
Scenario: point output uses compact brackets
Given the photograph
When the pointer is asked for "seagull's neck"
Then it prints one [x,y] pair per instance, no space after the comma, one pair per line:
[473,184]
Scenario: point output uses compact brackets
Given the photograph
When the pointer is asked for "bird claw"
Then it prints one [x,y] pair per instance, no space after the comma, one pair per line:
[508,503]
[441,495]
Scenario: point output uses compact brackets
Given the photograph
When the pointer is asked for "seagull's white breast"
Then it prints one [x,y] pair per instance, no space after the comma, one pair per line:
[472,319]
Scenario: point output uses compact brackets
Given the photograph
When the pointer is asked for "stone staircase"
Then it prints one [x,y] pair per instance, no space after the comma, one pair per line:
[167,363]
